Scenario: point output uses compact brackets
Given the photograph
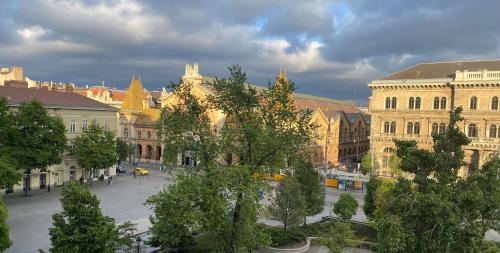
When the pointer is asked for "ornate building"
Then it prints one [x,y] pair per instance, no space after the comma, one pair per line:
[415,102]
[346,127]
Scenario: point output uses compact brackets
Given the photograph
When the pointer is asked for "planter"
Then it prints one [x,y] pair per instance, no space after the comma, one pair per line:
[300,249]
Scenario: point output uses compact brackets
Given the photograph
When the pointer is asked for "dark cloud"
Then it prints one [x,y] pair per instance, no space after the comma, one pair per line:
[330,47]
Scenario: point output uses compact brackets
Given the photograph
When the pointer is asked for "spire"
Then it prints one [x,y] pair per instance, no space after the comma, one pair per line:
[135,96]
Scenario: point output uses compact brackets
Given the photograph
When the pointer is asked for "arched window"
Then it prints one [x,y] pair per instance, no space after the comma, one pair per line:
[125,133]
[148,135]
[387,103]
[472,130]
[139,134]
[393,127]
[411,103]
[387,156]
[394,103]
[386,127]
[473,103]
[435,128]
[442,128]
[436,103]
[443,103]
[493,131]
[416,128]
[417,103]
[494,103]
[409,128]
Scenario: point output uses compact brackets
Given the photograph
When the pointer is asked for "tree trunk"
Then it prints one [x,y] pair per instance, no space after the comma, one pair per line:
[236,221]
[305,220]
[284,233]
[28,181]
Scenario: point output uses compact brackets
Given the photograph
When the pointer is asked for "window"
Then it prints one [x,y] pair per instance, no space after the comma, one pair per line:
[409,128]
[149,135]
[387,103]
[416,129]
[442,128]
[417,103]
[387,156]
[139,134]
[411,103]
[125,133]
[443,103]
[386,127]
[394,103]
[494,103]
[85,125]
[106,126]
[473,103]
[493,131]
[436,103]
[393,127]
[435,128]
[72,126]
[472,130]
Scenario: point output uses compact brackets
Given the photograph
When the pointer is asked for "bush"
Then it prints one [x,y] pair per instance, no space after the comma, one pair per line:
[293,236]
[346,206]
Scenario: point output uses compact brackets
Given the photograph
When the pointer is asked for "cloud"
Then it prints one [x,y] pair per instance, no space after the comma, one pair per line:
[329,47]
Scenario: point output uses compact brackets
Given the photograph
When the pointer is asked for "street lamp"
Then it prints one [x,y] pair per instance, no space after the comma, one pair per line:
[138,241]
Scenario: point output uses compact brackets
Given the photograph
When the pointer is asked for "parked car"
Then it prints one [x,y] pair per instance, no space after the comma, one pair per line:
[121,169]
[141,171]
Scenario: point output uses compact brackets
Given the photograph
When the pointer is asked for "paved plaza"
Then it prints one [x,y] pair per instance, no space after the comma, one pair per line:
[30,217]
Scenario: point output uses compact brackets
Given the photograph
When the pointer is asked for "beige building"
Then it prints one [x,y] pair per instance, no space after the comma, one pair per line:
[415,102]
[77,113]
[346,127]
[13,74]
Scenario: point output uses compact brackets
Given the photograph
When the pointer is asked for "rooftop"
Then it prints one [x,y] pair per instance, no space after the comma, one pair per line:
[440,70]
[52,99]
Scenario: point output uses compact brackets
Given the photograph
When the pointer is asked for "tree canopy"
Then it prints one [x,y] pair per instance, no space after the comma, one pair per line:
[261,132]
[346,206]
[95,148]
[81,227]
[436,210]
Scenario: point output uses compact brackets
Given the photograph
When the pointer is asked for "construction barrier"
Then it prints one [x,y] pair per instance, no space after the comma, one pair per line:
[330,182]
[358,185]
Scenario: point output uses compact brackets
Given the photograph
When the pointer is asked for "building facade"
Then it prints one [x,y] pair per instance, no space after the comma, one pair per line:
[415,102]
[342,132]
[77,112]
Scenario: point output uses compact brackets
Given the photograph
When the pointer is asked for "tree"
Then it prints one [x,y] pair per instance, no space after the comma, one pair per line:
[95,149]
[339,236]
[366,163]
[9,172]
[395,165]
[289,205]
[81,227]
[436,210]
[123,150]
[371,191]
[310,187]
[346,206]
[36,139]
[261,130]
[4,228]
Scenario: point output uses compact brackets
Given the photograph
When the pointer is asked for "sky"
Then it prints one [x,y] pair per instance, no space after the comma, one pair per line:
[330,48]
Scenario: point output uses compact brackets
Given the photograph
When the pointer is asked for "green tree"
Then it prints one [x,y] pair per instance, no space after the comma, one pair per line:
[339,236]
[395,165]
[4,228]
[95,149]
[262,130]
[36,139]
[289,206]
[346,206]
[123,150]
[81,227]
[371,191]
[366,163]
[436,210]
[310,186]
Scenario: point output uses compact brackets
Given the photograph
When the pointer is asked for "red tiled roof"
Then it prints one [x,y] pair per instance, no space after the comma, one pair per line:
[53,99]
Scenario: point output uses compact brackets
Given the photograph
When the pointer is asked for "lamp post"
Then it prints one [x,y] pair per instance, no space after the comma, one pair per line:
[138,241]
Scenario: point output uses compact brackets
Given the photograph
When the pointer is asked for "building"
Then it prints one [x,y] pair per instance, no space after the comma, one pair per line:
[14,74]
[346,127]
[103,94]
[77,113]
[415,102]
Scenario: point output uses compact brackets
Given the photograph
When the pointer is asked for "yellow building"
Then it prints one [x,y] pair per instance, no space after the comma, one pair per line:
[77,113]
[344,124]
[415,102]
